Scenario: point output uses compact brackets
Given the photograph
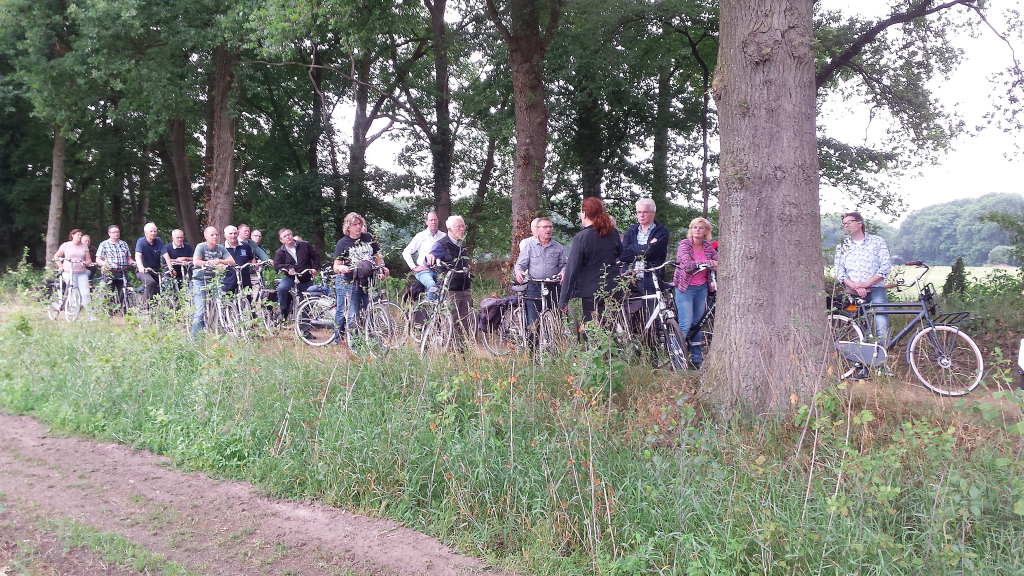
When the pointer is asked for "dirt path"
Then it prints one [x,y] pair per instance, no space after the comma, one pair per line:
[206,525]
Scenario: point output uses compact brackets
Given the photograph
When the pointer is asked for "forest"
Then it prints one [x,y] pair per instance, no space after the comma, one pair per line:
[184,112]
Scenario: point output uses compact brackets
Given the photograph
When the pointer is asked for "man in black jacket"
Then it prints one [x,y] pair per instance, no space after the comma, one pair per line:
[452,251]
[294,258]
[645,245]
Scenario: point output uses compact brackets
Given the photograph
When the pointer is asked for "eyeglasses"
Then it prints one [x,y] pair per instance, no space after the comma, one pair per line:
[548,227]
[645,211]
[848,222]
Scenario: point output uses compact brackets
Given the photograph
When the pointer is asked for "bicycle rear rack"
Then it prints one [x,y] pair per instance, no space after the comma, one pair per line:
[950,319]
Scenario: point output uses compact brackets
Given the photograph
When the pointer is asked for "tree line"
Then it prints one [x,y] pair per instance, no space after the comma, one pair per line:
[192,112]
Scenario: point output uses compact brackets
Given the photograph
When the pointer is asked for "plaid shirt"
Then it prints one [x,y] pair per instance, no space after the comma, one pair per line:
[116,255]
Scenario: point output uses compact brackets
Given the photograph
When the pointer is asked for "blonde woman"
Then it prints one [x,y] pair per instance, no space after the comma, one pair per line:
[692,284]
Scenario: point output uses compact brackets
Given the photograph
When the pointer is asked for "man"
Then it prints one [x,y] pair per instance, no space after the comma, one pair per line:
[177,254]
[148,249]
[208,255]
[245,235]
[293,258]
[114,256]
[533,234]
[94,268]
[452,251]
[862,264]
[645,245]
[544,258]
[257,237]
[421,245]
[242,254]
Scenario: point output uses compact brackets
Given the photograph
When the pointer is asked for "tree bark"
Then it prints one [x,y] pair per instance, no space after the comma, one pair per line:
[662,121]
[527,48]
[220,207]
[771,321]
[589,137]
[357,192]
[58,180]
[442,145]
[182,191]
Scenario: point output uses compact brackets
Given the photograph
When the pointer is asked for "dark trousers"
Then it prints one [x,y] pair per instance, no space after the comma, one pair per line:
[463,320]
[151,282]
[533,290]
[284,296]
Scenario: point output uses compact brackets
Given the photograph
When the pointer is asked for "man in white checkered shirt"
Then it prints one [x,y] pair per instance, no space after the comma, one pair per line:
[862,264]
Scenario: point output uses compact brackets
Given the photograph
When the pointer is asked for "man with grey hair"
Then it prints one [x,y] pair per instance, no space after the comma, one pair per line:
[645,245]
[544,258]
[533,234]
[148,249]
[451,250]
[178,255]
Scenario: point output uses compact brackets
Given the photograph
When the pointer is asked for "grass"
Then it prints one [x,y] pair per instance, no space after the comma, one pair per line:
[584,465]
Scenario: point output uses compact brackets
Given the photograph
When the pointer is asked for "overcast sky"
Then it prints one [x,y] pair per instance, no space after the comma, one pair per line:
[986,162]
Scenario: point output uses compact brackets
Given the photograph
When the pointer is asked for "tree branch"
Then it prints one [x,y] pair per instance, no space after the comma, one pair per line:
[496,18]
[925,8]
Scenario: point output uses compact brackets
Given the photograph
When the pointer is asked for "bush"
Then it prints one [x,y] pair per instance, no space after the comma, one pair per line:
[21,278]
[1002,255]
[956,282]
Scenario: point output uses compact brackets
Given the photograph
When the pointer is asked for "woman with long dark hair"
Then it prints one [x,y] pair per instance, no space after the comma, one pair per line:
[593,260]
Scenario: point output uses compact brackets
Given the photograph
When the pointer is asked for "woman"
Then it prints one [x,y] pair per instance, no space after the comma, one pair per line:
[593,260]
[76,272]
[691,285]
[356,246]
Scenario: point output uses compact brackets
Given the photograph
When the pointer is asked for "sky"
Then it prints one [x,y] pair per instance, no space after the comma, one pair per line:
[988,161]
[984,161]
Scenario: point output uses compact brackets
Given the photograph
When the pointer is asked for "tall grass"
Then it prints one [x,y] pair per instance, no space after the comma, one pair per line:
[580,466]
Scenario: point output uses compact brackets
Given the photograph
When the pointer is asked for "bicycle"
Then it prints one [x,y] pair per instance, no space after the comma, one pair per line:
[66,297]
[123,297]
[314,311]
[945,359]
[382,324]
[438,329]
[551,333]
[660,327]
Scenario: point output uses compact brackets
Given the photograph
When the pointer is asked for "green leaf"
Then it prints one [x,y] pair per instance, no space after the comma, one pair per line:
[1018,508]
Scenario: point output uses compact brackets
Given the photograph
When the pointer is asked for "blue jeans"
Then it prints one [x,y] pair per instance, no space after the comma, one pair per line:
[878,296]
[691,305]
[284,296]
[344,319]
[429,280]
[199,290]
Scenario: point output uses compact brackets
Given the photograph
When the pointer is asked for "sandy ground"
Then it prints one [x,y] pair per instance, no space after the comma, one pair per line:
[206,525]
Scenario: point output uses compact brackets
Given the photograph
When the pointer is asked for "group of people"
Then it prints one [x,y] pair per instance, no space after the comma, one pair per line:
[597,257]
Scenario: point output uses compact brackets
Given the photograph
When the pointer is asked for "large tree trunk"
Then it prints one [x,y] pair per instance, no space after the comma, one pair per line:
[220,208]
[659,157]
[771,320]
[442,146]
[357,192]
[58,180]
[182,191]
[313,149]
[527,48]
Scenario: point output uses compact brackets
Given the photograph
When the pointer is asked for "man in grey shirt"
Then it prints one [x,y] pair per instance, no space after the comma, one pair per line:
[544,258]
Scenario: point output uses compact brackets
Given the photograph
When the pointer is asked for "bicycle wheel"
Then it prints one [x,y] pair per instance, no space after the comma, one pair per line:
[510,333]
[397,323]
[627,343]
[229,316]
[56,303]
[73,304]
[946,360]
[675,346]
[315,325]
[845,329]
[212,315]
[437,334]
[555,334]
[381,329]
[708,330]
[419,314]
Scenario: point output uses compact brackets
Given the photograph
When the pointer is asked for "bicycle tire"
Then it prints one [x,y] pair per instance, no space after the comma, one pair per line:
[73,304]
[945,360]
[211,315]
[509,335]
[848,329]
[229,316]
[437,334]
[381,329]
[675,346]
[56,303]
[398,323]
[555,333]
[315,320]
[418,316]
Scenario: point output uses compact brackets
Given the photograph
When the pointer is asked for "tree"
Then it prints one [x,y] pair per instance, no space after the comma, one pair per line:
[1013,225]
[956,281]
[527,29]
[771,318]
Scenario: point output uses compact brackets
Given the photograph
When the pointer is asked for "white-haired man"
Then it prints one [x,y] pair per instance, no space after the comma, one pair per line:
[148,249]
[452,251]
[542,259]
